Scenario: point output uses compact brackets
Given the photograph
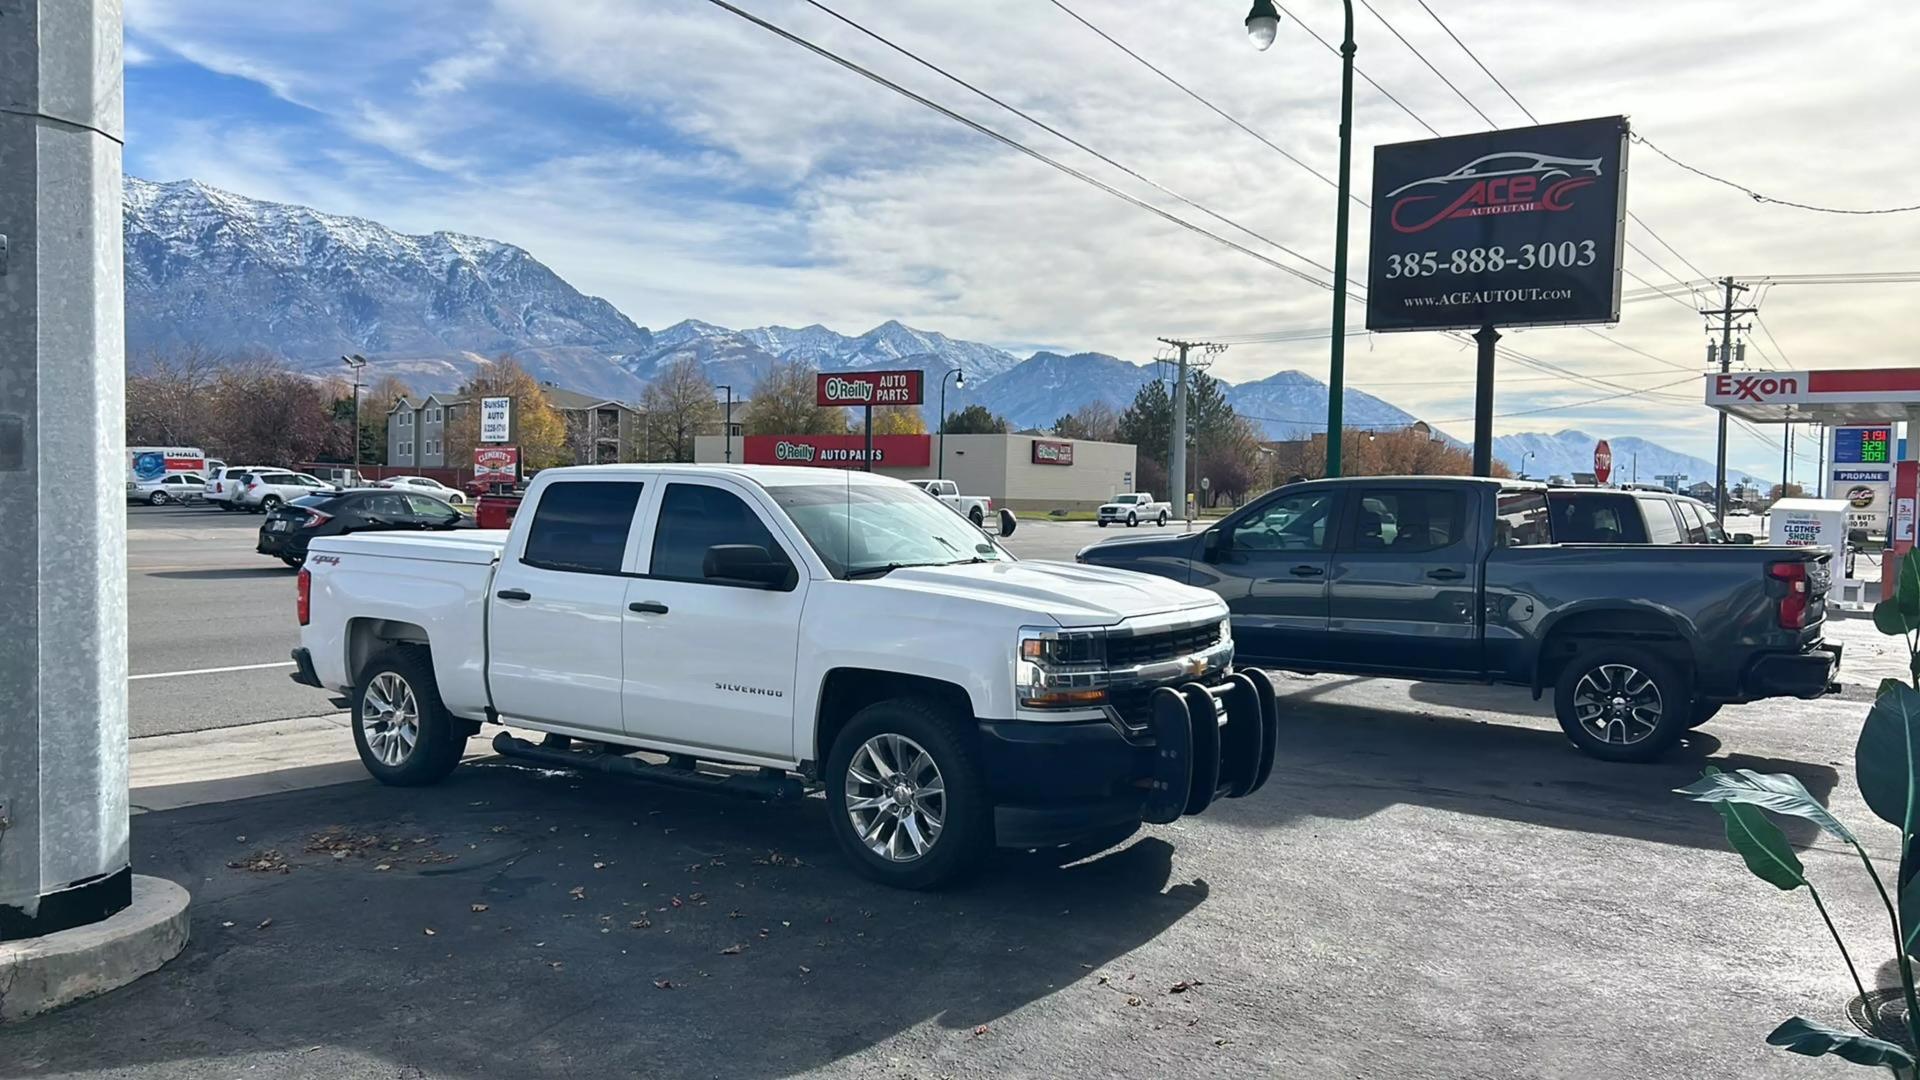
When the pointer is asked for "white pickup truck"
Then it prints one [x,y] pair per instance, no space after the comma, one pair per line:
[1133,508]
[773,630]
[975,508]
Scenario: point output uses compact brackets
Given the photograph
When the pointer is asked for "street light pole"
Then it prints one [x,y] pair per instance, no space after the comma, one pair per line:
[356,362]
[1262,23]
[1524,458]
[959,383]
[726,429]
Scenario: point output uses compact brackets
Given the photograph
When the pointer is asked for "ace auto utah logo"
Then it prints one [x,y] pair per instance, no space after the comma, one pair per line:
[1511,182]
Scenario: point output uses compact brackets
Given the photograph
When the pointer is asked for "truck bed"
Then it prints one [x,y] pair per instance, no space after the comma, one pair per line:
[477,547]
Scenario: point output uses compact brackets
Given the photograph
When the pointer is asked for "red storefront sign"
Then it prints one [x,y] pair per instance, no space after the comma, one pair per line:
[496,464]
[840,451]
[1052,453]
[869,388]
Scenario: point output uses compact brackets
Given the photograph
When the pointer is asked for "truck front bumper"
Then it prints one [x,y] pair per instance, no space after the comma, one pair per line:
[1806,674]
[1055,783]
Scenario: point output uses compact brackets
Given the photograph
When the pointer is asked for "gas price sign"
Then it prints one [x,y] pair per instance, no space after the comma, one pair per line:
[1862,445]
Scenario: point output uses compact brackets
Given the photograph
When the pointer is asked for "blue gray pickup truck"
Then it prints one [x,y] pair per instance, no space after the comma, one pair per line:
[1461,579]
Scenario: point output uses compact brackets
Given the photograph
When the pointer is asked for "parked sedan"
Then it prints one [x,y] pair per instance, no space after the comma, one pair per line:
[285,533]
[425,485]
[171,488]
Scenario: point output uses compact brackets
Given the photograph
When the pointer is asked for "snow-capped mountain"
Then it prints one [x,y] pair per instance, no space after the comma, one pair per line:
[1293,405]
[219,270]
[1564,453]
[1046,386]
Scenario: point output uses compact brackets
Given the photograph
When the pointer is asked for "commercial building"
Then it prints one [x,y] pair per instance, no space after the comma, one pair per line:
[1024,472]
[599,431]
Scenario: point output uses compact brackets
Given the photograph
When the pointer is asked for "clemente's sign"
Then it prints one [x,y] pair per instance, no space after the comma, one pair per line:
[840,451]
[869,388]
[496,464]
[1499,228]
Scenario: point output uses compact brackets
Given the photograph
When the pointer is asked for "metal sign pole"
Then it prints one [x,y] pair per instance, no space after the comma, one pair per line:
[1486,337]
[869,412]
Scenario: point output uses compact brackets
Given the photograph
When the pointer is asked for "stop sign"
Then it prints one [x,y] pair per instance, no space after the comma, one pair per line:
[1602,461]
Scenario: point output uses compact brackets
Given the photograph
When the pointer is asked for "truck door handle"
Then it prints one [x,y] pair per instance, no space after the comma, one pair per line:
[1446,573]
[514,594]
[1306,571]
[648,607]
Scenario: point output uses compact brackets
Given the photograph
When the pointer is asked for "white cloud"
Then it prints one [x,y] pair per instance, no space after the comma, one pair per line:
[791,190]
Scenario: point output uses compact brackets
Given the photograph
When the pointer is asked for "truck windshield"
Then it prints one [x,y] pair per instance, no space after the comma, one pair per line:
[869,528]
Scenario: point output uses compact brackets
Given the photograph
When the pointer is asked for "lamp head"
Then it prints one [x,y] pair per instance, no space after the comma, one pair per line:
[1263,22]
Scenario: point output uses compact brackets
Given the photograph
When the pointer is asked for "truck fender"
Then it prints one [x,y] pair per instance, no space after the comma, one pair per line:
[1609,617]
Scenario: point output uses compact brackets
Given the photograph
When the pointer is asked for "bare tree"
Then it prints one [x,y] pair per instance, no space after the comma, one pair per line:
[1096,420]
[166,397]
[679,404]
[783,404]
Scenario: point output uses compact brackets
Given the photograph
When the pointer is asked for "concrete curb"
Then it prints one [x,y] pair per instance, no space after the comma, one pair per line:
[44,973]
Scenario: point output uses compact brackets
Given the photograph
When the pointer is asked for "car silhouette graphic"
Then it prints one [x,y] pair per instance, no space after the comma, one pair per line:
[1509,163]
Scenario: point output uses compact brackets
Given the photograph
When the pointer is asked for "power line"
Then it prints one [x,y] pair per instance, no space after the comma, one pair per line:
[1764,328]
[1759,198]
[1422,58]
[1009,142]
[1478,64]
[1327,45]
[1057,133]
[1217,110]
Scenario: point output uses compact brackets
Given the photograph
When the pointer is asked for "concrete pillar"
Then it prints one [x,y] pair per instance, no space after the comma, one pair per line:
[63,606]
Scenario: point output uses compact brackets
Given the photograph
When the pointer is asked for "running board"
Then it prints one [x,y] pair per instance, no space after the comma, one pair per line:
[766,785]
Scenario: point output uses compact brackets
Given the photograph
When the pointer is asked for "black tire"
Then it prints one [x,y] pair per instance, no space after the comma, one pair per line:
[978,517]
[294,562]
[1162,522]
[965,837]
[440,739]
[1703,711]
[1103,523]
[1658,709]
[1133,519]
[269,504]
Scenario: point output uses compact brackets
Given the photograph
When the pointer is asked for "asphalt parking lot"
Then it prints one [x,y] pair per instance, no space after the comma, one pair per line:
[1433,885]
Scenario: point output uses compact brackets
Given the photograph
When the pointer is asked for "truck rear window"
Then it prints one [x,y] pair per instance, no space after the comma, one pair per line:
[1595,518]
[1522,519]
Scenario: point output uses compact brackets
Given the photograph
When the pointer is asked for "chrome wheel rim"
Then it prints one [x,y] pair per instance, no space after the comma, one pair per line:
[1618,704]
[896,798]
[390,718]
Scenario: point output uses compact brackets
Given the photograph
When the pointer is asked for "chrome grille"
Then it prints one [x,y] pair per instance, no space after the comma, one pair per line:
[1131,650]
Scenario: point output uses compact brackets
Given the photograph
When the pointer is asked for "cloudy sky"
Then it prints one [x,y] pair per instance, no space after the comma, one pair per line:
[682,162]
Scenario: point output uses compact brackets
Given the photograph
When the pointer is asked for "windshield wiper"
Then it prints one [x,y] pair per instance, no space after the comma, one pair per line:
[887,568]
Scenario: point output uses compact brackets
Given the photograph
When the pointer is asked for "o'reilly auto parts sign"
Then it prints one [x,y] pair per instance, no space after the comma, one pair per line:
[868,388]
[1502,228]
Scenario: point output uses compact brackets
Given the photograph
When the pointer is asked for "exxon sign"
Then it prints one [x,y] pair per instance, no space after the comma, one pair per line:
[1763,389]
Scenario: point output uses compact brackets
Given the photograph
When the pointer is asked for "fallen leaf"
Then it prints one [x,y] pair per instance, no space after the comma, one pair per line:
[736,913]
[384,866]
[431,931]
[479,907]
[339,855]
[663,984]
[557,964]
[676,902]
[264,923]
[979,1031]
[1219,1042]
[599,866]
[578,892]
[697,897]
[805,970]
[733,950]
[1131,1000]
[641,924]
[229,922]
[1182,987]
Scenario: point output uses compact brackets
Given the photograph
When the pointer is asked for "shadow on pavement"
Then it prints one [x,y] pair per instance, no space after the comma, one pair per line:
[516,922]
[273,569]
[1347,761]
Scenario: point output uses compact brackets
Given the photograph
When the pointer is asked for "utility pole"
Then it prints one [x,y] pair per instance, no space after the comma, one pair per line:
[1177,438]
[1726,313]
[1786,453]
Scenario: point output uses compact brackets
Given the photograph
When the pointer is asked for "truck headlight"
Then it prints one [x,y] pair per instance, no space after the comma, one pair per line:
[1060,669]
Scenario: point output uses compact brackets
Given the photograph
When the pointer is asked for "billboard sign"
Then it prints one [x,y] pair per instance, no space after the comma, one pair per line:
[496,464]
[840,451]
[869,388]
[1048,452]
[496,419]
[1500,228]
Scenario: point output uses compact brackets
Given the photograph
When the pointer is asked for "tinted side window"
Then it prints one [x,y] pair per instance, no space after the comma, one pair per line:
[432,509]
[1407,522]
[1662,527]
[695,517]
[1289,523]
[582,526]
[1522,520]
[389,507]
[1695,524]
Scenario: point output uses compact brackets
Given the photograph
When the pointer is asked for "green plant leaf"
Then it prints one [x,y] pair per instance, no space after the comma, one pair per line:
[1803,1036]
[1761,843]
[1888,684]
[1906,592]
[1885,758]
[1890,620]
[1781,793]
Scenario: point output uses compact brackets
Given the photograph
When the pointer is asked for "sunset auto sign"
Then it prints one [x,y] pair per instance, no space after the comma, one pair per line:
[1499,228]
[869,388]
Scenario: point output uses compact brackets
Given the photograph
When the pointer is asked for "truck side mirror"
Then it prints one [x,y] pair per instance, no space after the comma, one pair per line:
[1210,542]
[744,564]
[1007,522]
[1743,538]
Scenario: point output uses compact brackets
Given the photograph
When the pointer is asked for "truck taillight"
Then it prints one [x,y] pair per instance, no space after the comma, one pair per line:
[1793,606]
[304,605]
[989,502]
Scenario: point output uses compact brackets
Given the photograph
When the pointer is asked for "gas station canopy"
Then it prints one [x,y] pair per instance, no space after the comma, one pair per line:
[1834,397]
